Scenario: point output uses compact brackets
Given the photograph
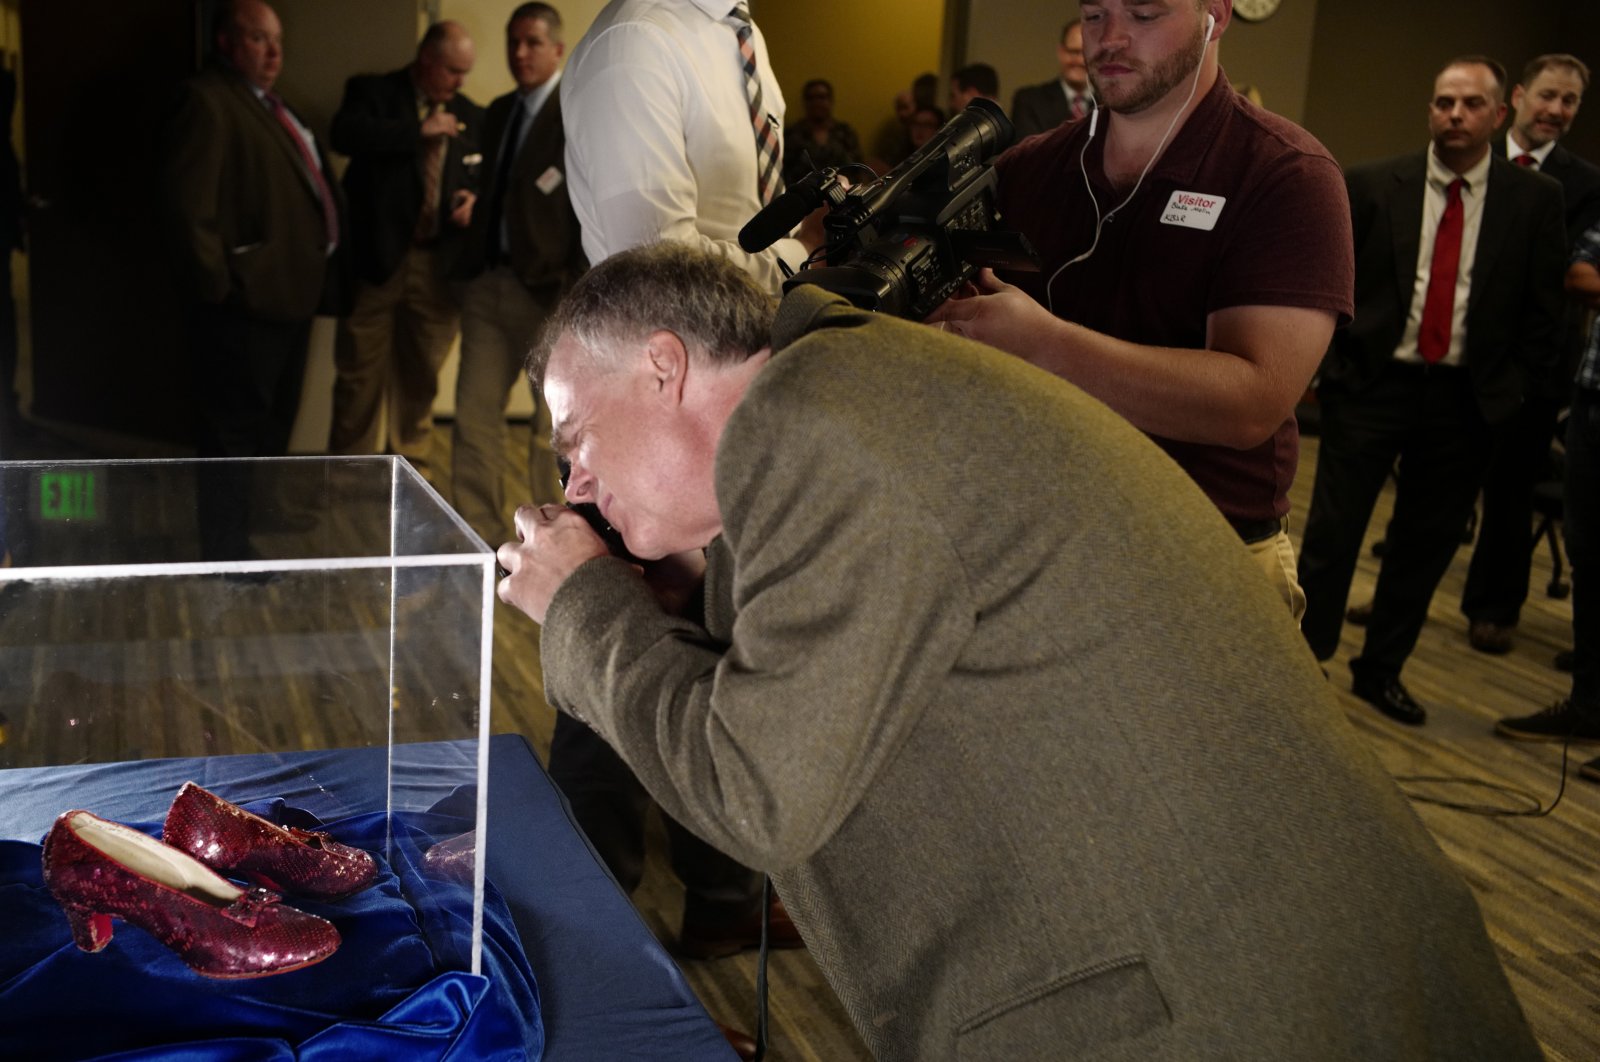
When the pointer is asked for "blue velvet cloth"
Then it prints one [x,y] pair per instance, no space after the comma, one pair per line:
[607,991]
[393,990]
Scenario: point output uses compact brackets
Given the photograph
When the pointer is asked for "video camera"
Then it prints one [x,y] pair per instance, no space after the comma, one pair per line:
[904,244]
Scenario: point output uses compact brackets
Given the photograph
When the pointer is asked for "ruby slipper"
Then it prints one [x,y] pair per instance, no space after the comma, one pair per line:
[99,870]
[229,839]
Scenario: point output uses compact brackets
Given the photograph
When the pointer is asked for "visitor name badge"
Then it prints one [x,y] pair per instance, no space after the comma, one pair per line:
[1193,210]
[549,180]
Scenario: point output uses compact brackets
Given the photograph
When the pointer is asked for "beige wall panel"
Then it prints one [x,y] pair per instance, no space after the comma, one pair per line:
[870,51]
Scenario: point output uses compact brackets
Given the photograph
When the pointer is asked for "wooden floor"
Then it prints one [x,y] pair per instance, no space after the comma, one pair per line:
[1537,879]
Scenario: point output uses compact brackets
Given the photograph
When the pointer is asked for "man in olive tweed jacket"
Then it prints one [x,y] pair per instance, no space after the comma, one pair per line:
[983,681]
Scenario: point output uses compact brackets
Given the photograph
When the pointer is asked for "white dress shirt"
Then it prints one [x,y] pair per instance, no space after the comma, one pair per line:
[1433,201]
[659,138]
[1073,94]
[1514,151]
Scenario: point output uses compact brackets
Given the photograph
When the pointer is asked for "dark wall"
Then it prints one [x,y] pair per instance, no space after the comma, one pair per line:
[1373,62]
[1578,31]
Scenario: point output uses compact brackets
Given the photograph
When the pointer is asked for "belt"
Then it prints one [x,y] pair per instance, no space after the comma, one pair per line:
[1253,531]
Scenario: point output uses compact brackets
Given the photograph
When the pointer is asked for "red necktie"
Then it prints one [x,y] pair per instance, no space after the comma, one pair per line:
[1433,339]
[1527,161]
[1079,107]
[330,214]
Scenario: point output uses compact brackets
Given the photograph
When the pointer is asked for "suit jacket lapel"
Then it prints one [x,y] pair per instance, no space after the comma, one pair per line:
[1494,228]
[1405,219]
[538,135]
[280,136]
[1555,162]
[495,120]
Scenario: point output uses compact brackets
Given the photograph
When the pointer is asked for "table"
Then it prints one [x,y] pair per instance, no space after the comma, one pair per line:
[606,988]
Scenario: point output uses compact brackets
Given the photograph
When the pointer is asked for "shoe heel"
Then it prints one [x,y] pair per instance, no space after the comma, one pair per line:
[91,931]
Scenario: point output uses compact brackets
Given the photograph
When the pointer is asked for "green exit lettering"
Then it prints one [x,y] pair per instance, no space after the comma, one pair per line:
[67,496]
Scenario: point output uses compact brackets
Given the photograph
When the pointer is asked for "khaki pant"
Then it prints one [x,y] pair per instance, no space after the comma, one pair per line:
[388,356]
[500,320]
[1275,556]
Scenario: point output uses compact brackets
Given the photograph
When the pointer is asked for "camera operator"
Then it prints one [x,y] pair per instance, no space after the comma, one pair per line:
[1197,257]
[914,709]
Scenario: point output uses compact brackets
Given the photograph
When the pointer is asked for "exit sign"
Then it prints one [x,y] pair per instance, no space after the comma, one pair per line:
[68,495]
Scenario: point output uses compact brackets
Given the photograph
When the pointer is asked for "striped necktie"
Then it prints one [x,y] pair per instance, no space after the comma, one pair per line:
[768,180]
[431,160]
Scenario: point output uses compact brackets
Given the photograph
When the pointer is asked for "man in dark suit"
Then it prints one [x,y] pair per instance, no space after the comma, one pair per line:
[521,253]
[948,729]
[1040,108]
[1459,263]
[254,215]
[413,143]
[1544,104]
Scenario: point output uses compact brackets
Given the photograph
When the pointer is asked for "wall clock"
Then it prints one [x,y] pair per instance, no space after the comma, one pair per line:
[1255,10]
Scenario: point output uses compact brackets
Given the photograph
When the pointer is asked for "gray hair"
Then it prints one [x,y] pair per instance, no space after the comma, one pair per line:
[719,312]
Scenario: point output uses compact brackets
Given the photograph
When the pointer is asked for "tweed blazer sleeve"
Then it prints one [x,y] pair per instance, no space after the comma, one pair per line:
[850,605]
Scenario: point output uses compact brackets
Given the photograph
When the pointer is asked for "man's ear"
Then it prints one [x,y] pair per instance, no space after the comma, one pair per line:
[669,363]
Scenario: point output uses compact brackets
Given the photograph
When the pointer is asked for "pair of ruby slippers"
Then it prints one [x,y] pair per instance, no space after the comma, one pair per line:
[170,888]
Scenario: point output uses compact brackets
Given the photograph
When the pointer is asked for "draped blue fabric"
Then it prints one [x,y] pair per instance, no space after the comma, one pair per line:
[393,990]
[606,991]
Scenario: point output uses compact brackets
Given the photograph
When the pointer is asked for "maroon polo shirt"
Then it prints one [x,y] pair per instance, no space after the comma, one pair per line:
[1278,235]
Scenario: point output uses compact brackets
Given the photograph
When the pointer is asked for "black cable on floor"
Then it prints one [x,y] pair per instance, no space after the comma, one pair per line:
[1532,810]
[761,970]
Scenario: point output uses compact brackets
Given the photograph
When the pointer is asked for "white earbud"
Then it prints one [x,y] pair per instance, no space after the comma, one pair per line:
[1211,24]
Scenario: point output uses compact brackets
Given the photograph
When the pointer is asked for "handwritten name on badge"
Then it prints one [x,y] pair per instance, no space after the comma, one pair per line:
[1193,210]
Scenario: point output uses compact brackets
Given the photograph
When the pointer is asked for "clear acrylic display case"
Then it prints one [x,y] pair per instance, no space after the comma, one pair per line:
[271,607]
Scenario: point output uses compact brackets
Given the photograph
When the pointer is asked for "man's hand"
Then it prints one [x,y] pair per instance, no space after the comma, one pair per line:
[553,542]
[441,123]
[812,233]
[461,208]
[994,312]
[1583,281]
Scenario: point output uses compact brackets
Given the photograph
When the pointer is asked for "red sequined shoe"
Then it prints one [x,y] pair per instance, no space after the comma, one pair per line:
[99,870]
[229,839]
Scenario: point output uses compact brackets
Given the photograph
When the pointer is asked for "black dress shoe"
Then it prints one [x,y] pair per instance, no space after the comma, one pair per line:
[1562,721]
[1385,693]
[1359,615]
[1488,637]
